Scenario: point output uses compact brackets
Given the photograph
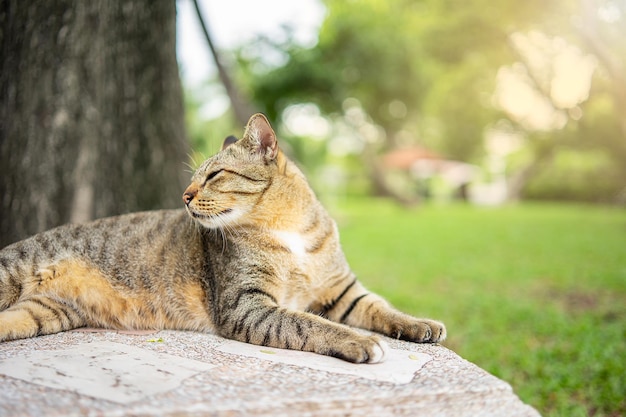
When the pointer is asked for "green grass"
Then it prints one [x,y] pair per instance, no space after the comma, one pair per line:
[535,294]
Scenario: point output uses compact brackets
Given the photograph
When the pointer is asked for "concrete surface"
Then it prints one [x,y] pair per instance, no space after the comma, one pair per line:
[172,373]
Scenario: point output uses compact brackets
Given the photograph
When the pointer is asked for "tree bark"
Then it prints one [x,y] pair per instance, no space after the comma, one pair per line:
[91,112]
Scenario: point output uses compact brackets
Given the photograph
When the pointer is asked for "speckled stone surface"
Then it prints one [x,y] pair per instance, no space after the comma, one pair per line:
[227,384]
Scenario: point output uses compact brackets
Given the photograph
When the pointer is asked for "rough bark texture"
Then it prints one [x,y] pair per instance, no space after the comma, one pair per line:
[91,112]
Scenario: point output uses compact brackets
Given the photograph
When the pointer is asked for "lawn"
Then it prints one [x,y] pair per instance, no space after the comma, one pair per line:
[535,294]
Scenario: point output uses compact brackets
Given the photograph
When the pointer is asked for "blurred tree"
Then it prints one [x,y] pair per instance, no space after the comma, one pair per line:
[602,26]
[593,126]
[425,71]
[91,112]
[404,61]
[242,109]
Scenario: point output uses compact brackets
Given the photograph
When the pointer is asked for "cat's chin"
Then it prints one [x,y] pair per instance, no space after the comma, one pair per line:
[216,221]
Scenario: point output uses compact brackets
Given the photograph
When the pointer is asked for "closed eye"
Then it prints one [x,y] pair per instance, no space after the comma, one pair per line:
[212,175]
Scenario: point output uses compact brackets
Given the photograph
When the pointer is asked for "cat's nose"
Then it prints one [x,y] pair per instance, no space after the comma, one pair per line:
[189,194]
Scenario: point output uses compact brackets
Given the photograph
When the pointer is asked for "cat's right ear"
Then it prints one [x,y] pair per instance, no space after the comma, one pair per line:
[228,141]
[261,137]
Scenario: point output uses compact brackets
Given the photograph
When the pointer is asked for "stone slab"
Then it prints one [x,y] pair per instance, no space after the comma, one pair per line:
[106,370]
[173,373]
[399,366]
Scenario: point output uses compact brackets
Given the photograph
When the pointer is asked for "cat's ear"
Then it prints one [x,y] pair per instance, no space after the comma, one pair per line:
[228,141]
[262,136]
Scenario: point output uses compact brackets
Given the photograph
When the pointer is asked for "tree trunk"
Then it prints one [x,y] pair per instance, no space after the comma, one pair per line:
[379,184]
[519,179]
[91,112]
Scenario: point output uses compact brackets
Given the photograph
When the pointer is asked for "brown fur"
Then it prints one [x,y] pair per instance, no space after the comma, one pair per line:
[260,262]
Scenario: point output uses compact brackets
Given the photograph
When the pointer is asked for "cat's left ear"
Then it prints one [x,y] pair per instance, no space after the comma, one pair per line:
[262,136]
[228,141]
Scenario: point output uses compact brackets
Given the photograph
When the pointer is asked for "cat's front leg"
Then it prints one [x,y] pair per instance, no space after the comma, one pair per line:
[357,307]
[258,319]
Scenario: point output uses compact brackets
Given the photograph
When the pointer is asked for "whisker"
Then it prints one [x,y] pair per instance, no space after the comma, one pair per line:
[190,167]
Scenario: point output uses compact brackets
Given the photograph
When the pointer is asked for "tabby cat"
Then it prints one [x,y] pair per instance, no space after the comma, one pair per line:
[252,257]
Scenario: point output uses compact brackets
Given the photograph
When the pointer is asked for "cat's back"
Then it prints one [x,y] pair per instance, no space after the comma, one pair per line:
[142,270]
[119,245]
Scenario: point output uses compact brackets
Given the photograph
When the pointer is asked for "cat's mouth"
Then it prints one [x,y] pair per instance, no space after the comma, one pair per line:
[220,219]
[201,216]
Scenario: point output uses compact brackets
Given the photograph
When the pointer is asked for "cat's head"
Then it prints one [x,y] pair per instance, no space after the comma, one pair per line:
[228,186]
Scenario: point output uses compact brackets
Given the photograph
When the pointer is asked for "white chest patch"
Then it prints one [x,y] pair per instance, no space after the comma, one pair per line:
[293,241]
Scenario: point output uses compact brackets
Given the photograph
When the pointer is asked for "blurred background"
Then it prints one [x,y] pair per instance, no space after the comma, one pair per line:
[422,100]
[472,152]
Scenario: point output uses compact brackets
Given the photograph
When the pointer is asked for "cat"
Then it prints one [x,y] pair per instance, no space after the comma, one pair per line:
[252,256]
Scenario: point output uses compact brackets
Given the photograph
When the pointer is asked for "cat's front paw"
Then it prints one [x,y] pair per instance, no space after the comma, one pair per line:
[421,331]
[365,349]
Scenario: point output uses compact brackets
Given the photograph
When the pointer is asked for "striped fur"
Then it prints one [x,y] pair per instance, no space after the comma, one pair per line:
[253,257]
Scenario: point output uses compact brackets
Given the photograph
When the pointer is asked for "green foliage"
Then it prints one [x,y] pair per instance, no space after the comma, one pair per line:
[433,58]
[532,293]
[576,175]
[425,72]
[206,135]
